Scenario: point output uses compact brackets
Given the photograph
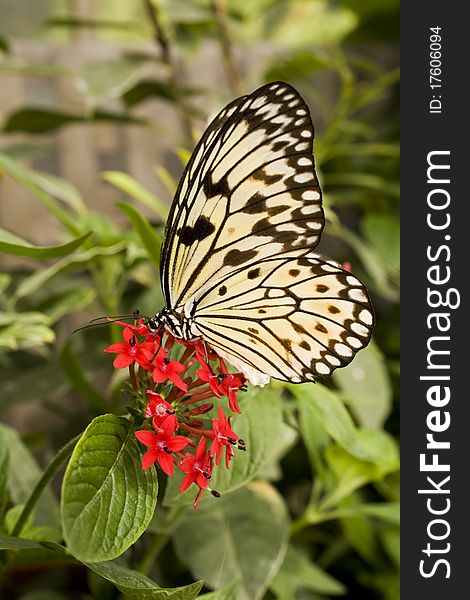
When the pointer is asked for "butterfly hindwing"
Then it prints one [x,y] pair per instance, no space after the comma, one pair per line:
[295,319]
[248,193]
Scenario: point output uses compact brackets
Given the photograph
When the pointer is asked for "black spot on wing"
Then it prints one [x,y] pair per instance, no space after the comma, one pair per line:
[201,229]
[234,258]
[217,188]
[253,273]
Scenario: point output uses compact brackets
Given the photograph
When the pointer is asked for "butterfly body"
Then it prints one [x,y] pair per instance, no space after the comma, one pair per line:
[238,268]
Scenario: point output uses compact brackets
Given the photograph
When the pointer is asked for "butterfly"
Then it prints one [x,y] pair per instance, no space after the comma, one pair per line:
[238,268]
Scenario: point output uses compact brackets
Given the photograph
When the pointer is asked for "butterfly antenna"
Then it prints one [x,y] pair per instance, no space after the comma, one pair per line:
[105,320]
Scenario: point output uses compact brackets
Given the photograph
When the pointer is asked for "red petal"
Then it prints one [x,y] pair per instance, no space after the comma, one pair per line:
[176,379]
[118,347]
[158,376]
[177,443]
[149,458]
[166,462]
[187,481]
[168,426]
[196,502]
[146,437]
[187,464]
[122,360]
[201,448]
[128,334]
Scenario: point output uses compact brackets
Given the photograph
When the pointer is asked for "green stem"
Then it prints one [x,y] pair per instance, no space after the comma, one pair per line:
[163,44]
[58,459]
[158,542]
[231,68]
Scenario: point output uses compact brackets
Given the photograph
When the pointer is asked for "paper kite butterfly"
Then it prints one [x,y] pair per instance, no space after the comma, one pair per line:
[238,268]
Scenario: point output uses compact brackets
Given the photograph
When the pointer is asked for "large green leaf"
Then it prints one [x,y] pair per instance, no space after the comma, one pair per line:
[366,387]
[228,592]
[352,472]
[333,417]
[12,244]
[136,586]
[241,537]
[298,572]
[259,426]
[107,499]
[23,474]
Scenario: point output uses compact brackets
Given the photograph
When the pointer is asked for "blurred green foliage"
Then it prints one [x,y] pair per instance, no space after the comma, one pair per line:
[317,515]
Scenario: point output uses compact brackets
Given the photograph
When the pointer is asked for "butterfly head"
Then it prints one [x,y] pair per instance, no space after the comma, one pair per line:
[174,323]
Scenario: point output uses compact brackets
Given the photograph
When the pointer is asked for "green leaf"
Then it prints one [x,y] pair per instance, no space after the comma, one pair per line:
[28,179]
[136,586]
[11,517]
[4,466]
[151,88]
[67,301]
[333,417]
[79,381]
[107,499]
[390,537]
[4,45]
[129,185]
[314,434]
[228,592]
[24,330]
[74,23]
[298,572]
[148,236]
[34,282]
[241,537]
[259,426]
[12,244]
[292,24]
[383,232]
[23,476]
[16,543]
[298,66]
[366,387]
[61,189]
[43,382]
[110,78]
[41,120]
[352,472]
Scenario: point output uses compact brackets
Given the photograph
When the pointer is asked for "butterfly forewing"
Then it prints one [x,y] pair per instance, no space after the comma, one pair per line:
[292,318]
[248,193]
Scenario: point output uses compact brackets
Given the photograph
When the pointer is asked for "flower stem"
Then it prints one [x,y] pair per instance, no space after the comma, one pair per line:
[55,463]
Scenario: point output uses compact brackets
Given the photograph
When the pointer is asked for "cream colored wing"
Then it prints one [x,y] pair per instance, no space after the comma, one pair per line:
[295,319]
[249,192]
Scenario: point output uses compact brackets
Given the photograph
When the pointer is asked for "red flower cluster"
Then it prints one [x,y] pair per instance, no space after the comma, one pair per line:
[171,403]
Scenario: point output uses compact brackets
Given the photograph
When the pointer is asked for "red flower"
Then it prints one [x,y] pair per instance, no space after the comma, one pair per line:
[206,374]
[161,446]
[159,409]
[130,351]
[230,384]
[223,436]
[164,369]
[198,467]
